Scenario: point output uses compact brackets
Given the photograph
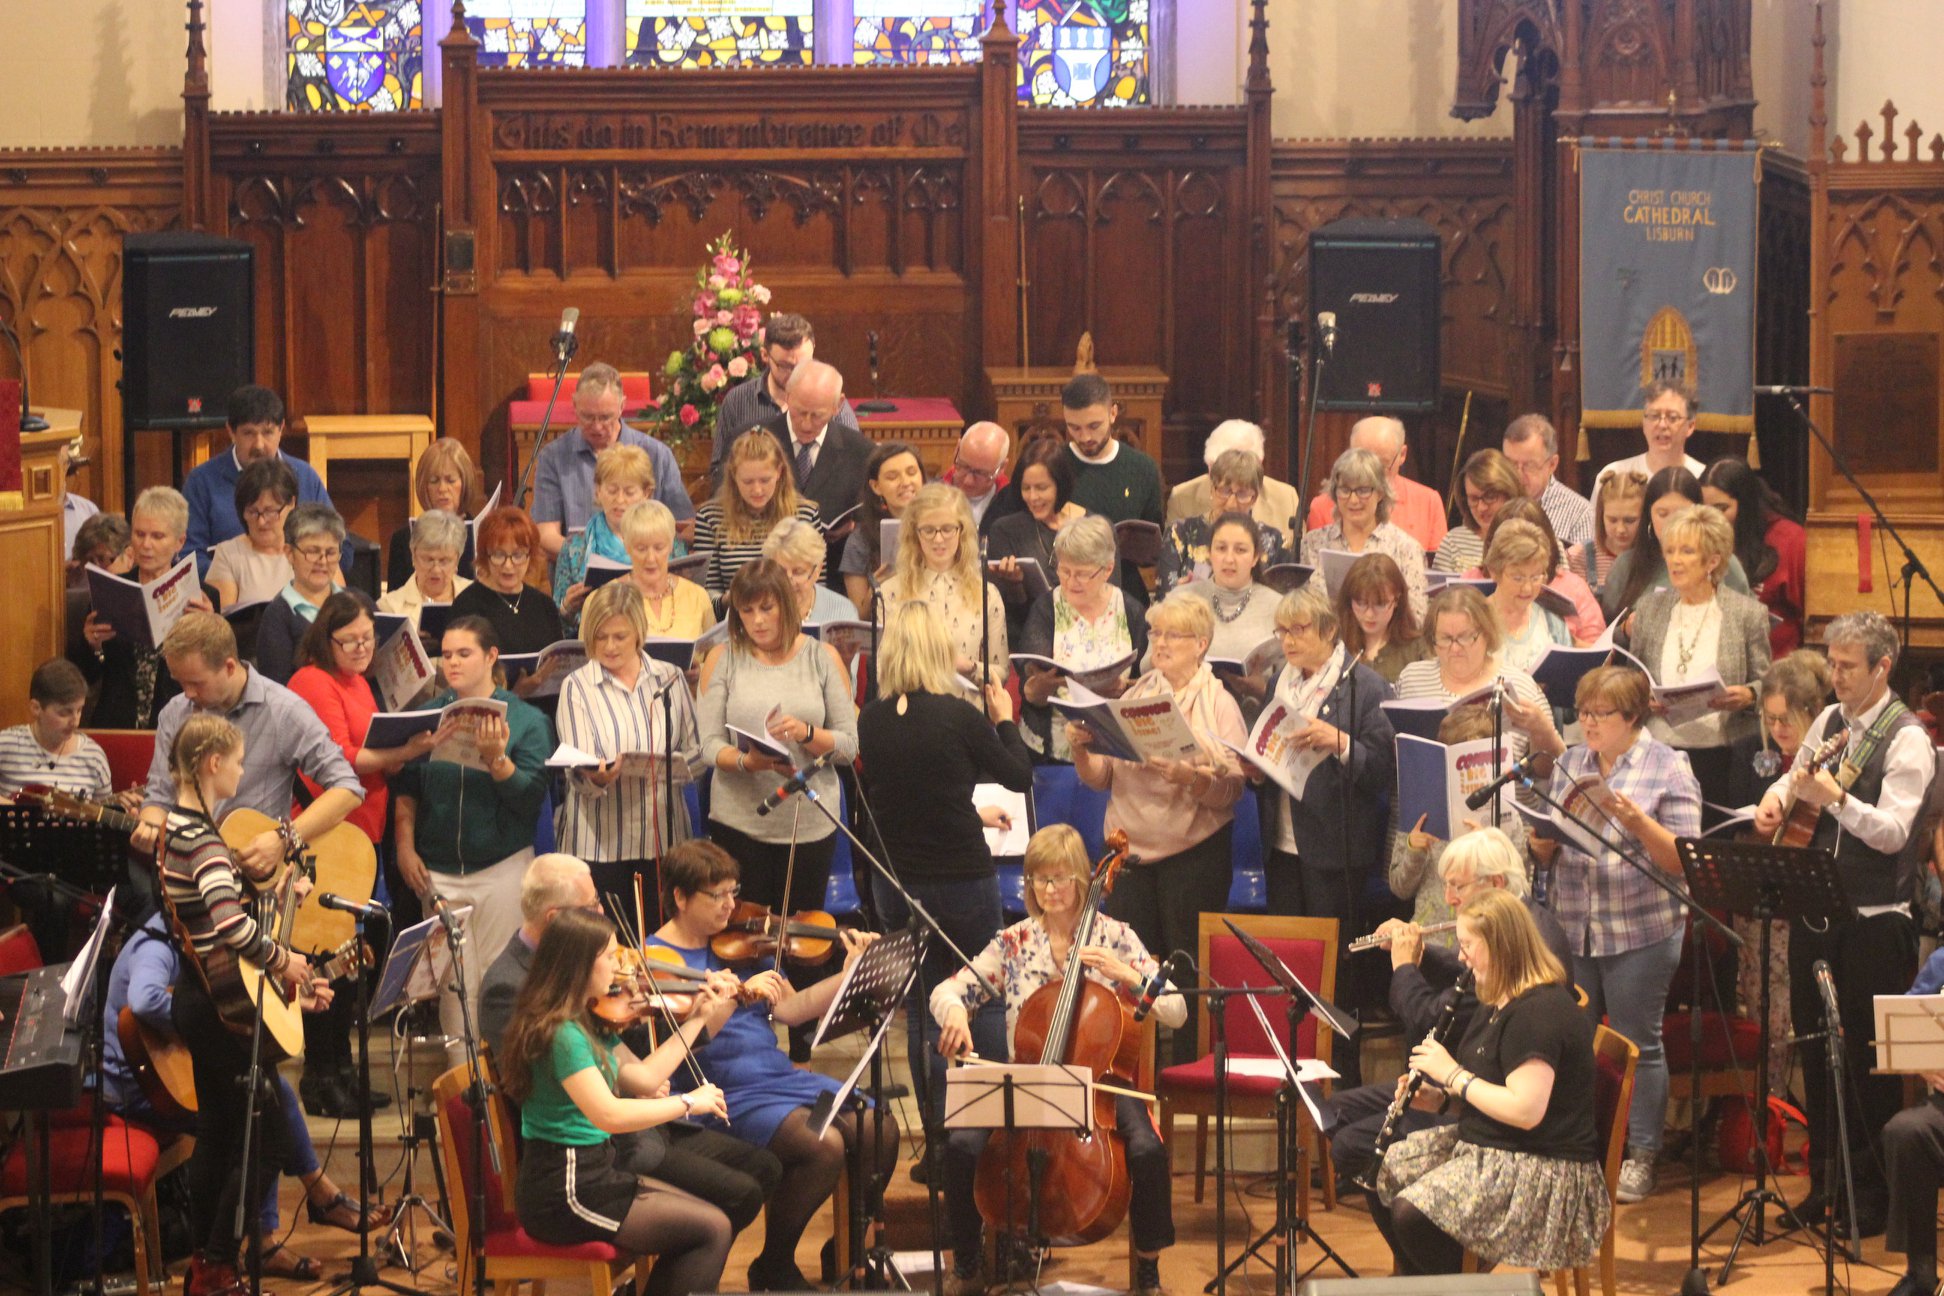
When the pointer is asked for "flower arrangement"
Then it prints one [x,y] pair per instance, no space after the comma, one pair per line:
[727,307]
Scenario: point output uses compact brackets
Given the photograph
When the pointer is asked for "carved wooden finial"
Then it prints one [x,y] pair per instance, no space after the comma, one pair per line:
[1889,114]
[196,75]
[458,12]
[999,25]
[1818,85]
[1083,355]
[1915,134]
[1258,44]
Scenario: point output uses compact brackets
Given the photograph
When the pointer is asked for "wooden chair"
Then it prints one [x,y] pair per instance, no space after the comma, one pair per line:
[1309,947]
[128,1166]
[1615,1058]
[19,951]
[512,1257]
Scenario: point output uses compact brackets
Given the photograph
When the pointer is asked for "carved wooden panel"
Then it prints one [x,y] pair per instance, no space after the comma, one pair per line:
[63,216]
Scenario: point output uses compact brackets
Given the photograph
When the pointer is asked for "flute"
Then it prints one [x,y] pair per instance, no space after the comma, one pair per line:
[1377,940]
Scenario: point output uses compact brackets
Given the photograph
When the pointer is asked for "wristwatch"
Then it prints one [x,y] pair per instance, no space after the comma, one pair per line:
[688,1103]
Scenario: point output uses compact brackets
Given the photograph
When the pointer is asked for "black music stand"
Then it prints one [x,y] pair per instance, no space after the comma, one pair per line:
[1761,882]
[867,999]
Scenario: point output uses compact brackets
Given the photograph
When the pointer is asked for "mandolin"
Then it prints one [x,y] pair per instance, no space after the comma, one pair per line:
[1800,818]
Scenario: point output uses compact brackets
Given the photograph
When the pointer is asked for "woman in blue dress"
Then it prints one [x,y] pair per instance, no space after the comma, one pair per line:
[769,1099]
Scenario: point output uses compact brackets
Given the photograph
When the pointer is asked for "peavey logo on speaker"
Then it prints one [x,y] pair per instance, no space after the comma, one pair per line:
[1373,299]
[192,312]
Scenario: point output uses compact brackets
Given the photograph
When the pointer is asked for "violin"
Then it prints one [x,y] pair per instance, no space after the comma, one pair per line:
[640,978]
[755,930]
[1074,1021]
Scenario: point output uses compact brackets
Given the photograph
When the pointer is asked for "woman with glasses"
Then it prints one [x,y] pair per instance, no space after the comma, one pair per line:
[1043,476]
[251,567]
[1520,561]
[775,682]
[332,659]
[135,684]
[438,540]
[1694,628]
[465,833]
[1234,485]
[524,616]
[1179,815]
[1468,648]
[445,480]
[1374,610]
[938,563]
[758,491]
[925,750]
[1643,567]
[1361,491]
[1625,931]
[624,476]
[769,1100]
[313,542]
[892,476]
[1323,845]
[1488,480]
[1018,961]
[1586,623]
[1085,623]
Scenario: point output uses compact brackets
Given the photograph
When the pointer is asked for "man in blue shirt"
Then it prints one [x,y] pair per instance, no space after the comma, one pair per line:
[256,428]
[563,477]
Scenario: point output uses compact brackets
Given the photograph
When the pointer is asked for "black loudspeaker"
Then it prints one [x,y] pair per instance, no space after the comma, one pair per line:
[1512,1284]
[1381,278]
[188,328]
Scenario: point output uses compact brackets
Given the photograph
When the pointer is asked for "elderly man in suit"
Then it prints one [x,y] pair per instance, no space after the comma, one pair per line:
[826,457]
[737,1176]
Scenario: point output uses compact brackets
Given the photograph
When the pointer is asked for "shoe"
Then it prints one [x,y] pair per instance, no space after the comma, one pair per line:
[1637,1180]
[378,1098]
[280,1261]
[1147,1277]
[921,1168]
[777,1276]
[325,1096]
[1912,1285]
[1813,1209]
[1872,1218]
[965,1284]
[207,1277]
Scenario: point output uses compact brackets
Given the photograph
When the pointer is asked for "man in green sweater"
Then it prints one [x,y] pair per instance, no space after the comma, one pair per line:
[1110,477]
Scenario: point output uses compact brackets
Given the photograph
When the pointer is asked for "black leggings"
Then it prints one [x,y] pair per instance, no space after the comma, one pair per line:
[811,1169]
[1417,1245]
[688,1238]
[220,1059]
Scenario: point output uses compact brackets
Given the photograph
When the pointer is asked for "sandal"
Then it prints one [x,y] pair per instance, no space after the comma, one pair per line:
[341,1212]
[281,1262]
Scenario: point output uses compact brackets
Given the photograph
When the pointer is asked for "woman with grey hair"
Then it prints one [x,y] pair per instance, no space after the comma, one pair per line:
[439,540]
[1327,706]
[799,547]
[313,541]
[134,682]
[1085,623]
[1234,485]
[1361,491]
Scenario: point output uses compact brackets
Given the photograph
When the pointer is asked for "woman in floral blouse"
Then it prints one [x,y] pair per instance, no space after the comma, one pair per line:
[1018,961]
[938,563]
[1085,623]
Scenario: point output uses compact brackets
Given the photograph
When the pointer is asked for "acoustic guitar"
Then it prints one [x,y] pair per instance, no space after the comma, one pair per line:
[1799,818]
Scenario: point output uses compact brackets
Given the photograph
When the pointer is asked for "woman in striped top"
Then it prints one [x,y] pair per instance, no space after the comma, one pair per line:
[209,895]
[618,815]
[758,491]
[1489,480]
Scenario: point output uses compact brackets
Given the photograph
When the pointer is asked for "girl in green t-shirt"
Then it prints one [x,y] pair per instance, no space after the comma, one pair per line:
[576,1087]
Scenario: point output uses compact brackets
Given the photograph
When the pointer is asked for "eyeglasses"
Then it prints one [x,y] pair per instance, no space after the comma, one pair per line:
[435,562]
[1295,628]
[1048,882]
[1238,495]
[1171,636]
[721,894]
[263,514]
[1475,498]
[1600,714]
[947,532]
[1372,609]
[1358,493]
[1663,416]
[1078,575]
[310,553]
[355,645]
[516,558]
[1446,643]
[1526,581]
[965,469]
[599,420]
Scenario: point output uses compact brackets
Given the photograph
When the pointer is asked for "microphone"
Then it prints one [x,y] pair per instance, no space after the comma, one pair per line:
[446,920]
[872,338]
[1781,390]
[1327,331]
[797,781]
[1827,985]
[1536,765]
[565,344]
[1177,968]
[344,904]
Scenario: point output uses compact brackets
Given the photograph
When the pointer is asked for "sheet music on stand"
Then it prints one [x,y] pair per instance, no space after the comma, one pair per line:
[867,999]
[1909,1036]
[419,966]
[1057,1096]
[1290,1073]
[78,982]
[1782,881]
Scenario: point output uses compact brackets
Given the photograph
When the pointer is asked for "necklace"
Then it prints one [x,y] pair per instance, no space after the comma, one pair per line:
[1228,604]
[1684,649]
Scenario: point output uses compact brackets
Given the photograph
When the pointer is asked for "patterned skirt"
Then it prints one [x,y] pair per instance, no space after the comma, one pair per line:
[1513,1208]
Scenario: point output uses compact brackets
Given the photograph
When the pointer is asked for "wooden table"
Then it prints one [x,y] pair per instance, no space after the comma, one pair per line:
[928,424]
[1024,398]
[368,436]
[33,538]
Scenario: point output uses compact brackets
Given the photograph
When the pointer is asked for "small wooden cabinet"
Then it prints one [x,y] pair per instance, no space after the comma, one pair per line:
[1024,398]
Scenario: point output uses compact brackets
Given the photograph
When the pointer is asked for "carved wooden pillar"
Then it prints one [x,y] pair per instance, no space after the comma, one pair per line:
[463,410]
[1531,205]
[1263,372]
[195,125]
[996,167]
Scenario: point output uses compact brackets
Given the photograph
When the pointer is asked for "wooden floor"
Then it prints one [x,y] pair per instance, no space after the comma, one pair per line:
[1651,1238]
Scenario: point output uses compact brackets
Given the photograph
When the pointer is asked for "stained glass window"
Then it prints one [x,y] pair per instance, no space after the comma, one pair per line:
[720,33]
[917,31]
[1083,52]
[529,33]
[353,55]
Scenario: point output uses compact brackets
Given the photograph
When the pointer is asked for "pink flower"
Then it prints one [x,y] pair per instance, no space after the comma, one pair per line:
[746,320]
[760,295]
[724,318]
[704,304]
[726,264]
[739,367]
[717,282]
[690,416]
[702,328]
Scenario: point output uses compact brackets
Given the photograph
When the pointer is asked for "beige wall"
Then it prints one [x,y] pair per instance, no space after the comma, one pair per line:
[1884,49]
[1357,69]
[90,72]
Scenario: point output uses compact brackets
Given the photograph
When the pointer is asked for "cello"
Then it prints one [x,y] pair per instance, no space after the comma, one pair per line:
[1083,1187]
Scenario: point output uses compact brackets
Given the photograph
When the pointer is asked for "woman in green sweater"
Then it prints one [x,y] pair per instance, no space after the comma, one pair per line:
[464,832]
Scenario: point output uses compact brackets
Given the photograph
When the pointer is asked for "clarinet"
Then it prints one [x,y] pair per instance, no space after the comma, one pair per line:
[1414,1080]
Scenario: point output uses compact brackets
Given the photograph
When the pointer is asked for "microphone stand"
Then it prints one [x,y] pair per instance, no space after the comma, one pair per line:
[565,348]
[481,1096]
[1913,566]
[1316,385]
[1695,1281]
[1836,1151]
[29,421]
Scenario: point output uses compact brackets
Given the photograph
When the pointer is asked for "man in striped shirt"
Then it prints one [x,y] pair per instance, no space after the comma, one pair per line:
[50,749]
[1532,445]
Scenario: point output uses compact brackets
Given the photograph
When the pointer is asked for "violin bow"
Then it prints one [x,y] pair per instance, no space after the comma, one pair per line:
[659,1000]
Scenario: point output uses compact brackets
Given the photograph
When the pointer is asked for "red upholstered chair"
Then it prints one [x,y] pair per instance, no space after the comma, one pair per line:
[512,1257]
[128,1173]
[637,389]
[19,952]
[1615,1059]
[129,753]
[1308,946]
[1731,1046]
